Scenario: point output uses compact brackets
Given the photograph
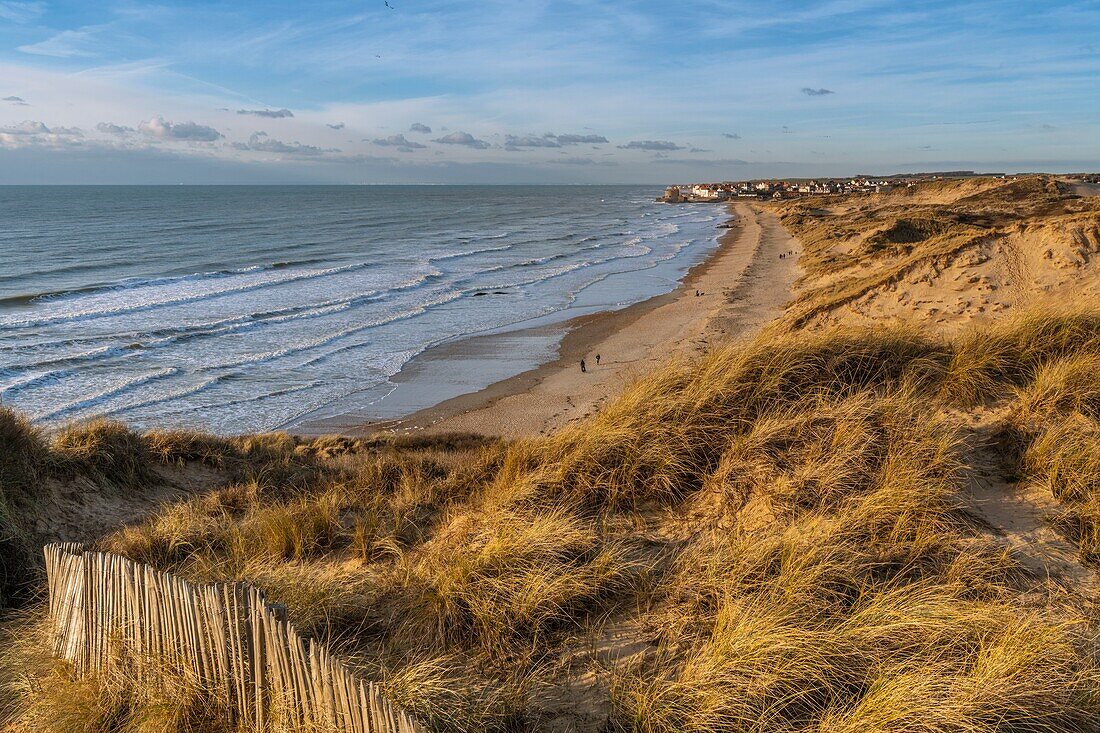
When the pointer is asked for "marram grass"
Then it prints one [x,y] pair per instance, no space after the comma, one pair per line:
[770,539]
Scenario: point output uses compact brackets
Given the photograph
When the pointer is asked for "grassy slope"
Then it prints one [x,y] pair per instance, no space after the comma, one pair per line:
[772,538]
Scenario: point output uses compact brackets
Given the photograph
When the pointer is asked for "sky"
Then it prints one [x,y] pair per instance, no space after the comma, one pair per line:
[534,91]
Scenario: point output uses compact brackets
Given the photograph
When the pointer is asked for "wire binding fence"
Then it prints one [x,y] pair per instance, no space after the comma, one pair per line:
[105,607]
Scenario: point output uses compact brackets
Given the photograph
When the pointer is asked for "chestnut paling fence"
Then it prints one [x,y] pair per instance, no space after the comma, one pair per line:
[106,609]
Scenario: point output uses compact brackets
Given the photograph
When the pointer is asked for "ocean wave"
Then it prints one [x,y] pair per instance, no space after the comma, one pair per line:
[137,343]
[99,397]
[468,253]
[163,397]
[138,283]
[29,381]
[236,402]
[116,309]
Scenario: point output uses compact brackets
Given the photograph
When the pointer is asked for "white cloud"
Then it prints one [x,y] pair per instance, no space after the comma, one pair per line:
[275,113]
[463,138]
[21,12]
[651,145]
[162,129]
[35,134]
[419,127]
[337,126]
[513,142]
[112,129]
[259,142]
[550,140]
[66,44]
[579,139]
[399,142]
[26,127]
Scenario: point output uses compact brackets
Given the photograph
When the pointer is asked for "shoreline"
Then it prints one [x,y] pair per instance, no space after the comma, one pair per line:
[633,339]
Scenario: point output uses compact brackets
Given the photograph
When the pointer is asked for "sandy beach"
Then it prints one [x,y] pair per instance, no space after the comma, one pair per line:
[743,284]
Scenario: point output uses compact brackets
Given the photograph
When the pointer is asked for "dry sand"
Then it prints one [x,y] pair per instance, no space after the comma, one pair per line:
[744,286]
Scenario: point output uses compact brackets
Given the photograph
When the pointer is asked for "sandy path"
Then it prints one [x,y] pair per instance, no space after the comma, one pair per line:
[744,285]
[1018,515]
[1085,189]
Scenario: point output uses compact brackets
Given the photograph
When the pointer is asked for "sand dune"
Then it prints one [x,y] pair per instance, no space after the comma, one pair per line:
[943,254]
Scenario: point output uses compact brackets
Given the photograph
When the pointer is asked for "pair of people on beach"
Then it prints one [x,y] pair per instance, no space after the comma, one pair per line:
[584,368]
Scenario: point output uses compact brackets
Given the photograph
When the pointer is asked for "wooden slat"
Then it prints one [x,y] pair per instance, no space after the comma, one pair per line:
[104,608]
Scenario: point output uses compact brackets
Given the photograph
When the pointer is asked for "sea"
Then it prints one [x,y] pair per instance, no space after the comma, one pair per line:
[247,308]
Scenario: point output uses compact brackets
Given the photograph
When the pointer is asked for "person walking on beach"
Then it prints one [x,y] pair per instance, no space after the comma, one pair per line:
[597,359]
[582,367]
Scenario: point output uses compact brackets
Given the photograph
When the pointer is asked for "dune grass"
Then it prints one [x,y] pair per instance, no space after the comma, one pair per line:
[1011,352]
[780,522]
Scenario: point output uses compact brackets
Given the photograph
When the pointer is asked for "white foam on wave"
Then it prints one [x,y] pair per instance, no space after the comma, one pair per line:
[115,389]
[102,307]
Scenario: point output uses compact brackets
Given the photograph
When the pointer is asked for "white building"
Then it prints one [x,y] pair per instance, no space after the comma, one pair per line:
[707,192]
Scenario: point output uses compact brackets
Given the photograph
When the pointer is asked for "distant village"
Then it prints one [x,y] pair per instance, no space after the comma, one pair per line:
[786,189]
[717,192]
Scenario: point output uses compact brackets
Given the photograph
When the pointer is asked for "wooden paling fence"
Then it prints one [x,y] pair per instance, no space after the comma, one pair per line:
[105,608]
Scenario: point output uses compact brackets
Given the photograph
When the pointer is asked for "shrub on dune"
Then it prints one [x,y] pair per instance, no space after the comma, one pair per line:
[104,449]
[176,447]
[665,433]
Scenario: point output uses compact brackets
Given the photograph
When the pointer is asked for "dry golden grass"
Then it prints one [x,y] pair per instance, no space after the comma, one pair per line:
[1062,456]
[22,457]
[102,448]
[1011,352]
[23,454]
[781,520]
[1064,386]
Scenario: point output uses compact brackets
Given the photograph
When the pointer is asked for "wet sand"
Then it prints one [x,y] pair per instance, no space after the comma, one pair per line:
[744,285]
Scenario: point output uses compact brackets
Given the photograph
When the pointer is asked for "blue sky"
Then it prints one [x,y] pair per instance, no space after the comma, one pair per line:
[542,92]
